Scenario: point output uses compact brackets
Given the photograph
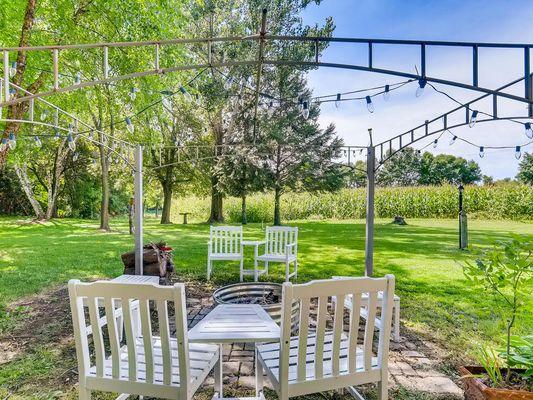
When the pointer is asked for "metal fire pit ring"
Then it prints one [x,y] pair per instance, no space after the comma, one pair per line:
[252,293]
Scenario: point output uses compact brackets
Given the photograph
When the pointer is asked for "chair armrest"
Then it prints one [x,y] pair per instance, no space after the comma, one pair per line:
[288,248]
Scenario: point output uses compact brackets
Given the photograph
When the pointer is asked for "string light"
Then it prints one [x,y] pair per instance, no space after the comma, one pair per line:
[198,99]
[369,104]
[129,125]
[57,134]
[3,144]
[386,93]
[473,119]
[420,88]
[435,143]
[518,152]
[453,139]
[71,142]
[529,131]
[12,142]
[133,93]
[38,142]
[185,93]
[13,69]
[305,109]
[44,114]
[481,151]
[75,156]
[338,100]
[90,136]
[77,79]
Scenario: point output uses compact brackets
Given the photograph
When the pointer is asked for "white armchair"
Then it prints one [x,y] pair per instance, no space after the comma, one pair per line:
[281,245]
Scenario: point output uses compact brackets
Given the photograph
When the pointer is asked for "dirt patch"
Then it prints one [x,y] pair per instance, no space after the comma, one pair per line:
[41,319]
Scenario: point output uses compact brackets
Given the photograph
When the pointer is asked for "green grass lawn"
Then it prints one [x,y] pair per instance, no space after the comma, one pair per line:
[436,299]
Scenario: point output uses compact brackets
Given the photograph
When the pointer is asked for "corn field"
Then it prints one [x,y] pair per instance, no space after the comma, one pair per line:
[510,201]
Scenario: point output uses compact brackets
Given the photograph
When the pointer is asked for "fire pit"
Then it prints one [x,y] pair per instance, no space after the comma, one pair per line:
[267,295]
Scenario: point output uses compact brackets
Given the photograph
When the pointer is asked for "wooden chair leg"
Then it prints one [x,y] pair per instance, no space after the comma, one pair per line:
[396,322]
[218,374]
[258,375]
[383,389]
[85,394]
[295,269]
[266,266]
[209,266]
[287,271]
[241,270]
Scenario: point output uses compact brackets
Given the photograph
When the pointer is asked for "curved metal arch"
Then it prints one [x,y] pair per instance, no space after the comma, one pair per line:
[384,156]
[261,38]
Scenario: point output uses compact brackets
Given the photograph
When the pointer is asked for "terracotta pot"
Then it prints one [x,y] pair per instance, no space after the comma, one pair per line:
[475,389]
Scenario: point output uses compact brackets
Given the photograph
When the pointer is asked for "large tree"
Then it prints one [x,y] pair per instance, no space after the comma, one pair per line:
[525,169]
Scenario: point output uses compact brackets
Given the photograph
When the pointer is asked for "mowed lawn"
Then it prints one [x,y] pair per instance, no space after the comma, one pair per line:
[424,257]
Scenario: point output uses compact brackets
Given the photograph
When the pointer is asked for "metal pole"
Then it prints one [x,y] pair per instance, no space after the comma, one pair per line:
[138,204]
[370,188]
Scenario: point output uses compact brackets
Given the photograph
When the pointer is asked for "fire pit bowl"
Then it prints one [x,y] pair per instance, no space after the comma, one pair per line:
[267,295]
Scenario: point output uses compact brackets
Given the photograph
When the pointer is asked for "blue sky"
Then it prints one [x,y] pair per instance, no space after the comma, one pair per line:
[482,21]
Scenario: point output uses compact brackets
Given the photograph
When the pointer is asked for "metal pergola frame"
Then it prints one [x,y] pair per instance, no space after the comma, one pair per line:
[394,145]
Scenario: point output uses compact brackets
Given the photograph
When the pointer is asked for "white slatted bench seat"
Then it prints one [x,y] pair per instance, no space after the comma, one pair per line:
[147,364]
[281,245]
[225,244]
[364,312]
[329,359]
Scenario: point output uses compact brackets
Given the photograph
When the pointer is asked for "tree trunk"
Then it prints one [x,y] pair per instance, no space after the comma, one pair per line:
[244,219]
[216,204]
[277,214]
[167,203]
[22,174]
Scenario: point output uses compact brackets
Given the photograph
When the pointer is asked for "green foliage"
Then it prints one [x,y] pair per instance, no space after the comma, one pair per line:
[491,362]
[521,355]
[505,271]
[525,169]
[511,201]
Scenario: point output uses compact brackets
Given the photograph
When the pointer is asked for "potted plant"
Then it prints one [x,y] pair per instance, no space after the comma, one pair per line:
[505,271]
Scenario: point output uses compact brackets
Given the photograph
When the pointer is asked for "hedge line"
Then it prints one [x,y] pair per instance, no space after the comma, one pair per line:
[512,201]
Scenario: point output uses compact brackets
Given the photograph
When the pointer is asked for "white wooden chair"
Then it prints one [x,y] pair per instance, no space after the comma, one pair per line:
[364,312]
[281,245]
[329,359]
[225,244]
[158,366]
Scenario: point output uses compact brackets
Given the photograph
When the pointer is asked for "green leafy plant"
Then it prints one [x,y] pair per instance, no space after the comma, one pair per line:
[505,271]
[521,355]
[491,362]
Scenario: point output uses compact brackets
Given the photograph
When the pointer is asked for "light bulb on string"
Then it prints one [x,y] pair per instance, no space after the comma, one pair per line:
[13,69]
[44,114]
[77,78]
[228,83]
[198,99]
[167,103]
[518,152]
[305,109]
[481,151]
[57,136]
[420,88]
[12,142]
[453,139]
[185,93]
[90,136]
[12,93]
[70,141]
[529,131]
[270,109]
[75,156]
[338,100]
[3,144]
[37,142]
[133,93]
[473,119]
[129,125]
[386,93]
[435,143]
[369,104]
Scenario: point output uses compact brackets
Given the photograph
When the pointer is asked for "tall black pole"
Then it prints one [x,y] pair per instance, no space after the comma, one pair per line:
[461,188]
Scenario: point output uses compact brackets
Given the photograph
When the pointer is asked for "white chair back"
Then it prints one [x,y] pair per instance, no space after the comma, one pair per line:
[278,237]
[225,240]
[331,356]
[107,301]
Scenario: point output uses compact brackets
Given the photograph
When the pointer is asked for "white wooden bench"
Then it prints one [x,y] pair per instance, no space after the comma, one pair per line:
[364,312]
[225,244]
[329,359]
[281,245]
[147,364]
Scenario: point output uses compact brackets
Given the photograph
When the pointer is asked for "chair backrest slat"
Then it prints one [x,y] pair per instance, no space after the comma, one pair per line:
[335,353]
[182,338]
[369,329]
[146,329]
[114,341]
[94,319]
[129,329]
[353,333]
[162,313]
[302,340]
[338,322]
